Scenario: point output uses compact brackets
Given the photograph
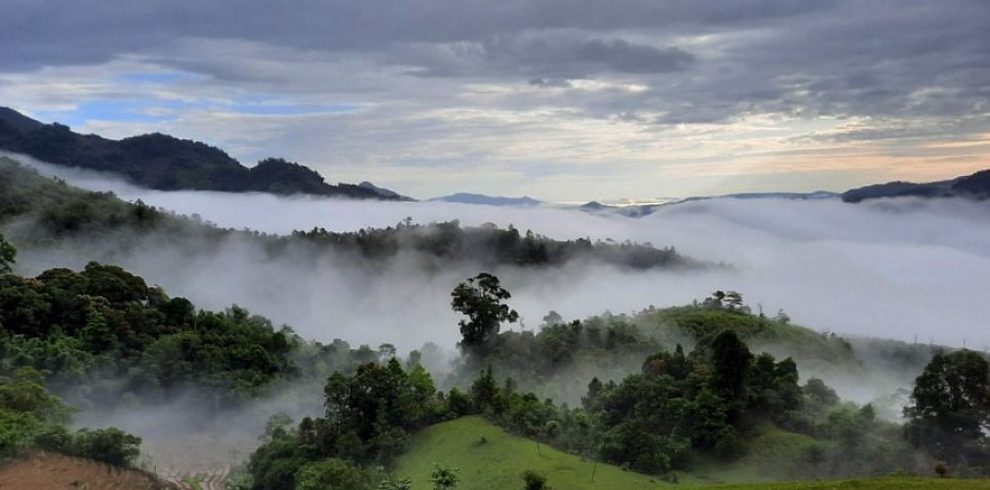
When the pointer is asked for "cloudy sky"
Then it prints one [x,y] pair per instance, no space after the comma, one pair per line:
[558,99]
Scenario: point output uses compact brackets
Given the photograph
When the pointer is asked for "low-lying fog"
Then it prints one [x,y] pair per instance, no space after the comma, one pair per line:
[902,268]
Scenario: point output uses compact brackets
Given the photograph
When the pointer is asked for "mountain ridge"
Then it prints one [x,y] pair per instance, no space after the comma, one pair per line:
[163,162]
[487,200]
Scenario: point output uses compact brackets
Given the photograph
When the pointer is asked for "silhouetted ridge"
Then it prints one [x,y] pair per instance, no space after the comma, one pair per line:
[163,162]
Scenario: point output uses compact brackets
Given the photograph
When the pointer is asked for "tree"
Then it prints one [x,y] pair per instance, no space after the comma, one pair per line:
[332,474]
[484,391]
[733,300]
[443,477]
[481,299]
[731,360]
[7,255]
[949,413]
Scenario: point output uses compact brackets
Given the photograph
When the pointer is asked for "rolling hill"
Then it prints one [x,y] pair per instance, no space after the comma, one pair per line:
[488,458]
[497,461]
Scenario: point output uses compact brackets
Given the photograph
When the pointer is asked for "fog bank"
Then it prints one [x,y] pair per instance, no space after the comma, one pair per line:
[903,268]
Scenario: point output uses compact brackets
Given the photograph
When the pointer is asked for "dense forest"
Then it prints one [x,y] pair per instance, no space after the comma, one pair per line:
[39,212]
[102,337]
[663,392]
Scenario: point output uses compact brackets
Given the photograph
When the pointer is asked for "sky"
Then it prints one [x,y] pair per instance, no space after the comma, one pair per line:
[560,100]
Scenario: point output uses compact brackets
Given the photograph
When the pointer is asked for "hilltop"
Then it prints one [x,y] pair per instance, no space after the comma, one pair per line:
[163,162]
[973,186]
[491,459]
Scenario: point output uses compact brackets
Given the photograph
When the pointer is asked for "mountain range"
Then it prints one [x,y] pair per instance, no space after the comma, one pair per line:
[469,198]
[163,162]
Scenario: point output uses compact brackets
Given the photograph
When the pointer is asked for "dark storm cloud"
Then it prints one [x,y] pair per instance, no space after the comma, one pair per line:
[698,61]
[551,56]
[46,32]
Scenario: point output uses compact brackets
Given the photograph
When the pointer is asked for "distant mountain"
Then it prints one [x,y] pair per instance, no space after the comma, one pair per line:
[768,195]
[974,186]
[631,211]
[468,198]
[163,162]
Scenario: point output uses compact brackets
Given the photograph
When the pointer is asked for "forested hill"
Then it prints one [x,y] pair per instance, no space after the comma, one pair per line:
[39,212]
[973,186]
[163,162]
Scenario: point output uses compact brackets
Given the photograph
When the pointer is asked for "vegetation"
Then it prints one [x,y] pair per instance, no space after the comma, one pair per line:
[500,461]
[103,334]
[480,298]
[49,213]
[687,394]
[32,418]
[949,415]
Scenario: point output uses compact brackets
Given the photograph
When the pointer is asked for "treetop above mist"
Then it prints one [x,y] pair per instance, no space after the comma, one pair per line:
[163,162]
[48,211]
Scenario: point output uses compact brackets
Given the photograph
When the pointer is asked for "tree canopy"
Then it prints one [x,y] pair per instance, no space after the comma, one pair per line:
[481,299]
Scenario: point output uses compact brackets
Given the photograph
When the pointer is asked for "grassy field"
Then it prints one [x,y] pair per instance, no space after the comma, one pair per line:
[870,484]
[498,463]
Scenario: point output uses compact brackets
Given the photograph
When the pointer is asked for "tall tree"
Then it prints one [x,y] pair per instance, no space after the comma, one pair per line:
[949,414]
[481,298]
[7,255]
[732,361]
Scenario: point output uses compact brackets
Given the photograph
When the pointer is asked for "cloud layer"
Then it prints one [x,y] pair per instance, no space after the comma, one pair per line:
[562,100]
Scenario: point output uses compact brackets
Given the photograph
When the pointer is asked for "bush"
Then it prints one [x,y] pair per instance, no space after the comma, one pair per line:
[112,446]
[534,480]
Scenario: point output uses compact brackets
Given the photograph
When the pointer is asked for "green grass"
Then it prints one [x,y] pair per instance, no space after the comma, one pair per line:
[772,455]
[869,484]
[498,463]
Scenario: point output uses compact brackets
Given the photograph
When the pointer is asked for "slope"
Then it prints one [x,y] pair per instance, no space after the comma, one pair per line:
[497,461]
[50,470]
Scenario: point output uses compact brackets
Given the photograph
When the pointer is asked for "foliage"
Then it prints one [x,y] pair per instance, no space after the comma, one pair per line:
[534,480]
[31,417]
[443,477]
[103,322]
[7,255]
[333,474]
[949,414]
[481,299]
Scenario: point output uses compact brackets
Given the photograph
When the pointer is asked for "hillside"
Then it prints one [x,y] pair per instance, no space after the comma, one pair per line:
[973,186]
[38,212]
[499,462]
[163,162]
[891,483]
[49,470]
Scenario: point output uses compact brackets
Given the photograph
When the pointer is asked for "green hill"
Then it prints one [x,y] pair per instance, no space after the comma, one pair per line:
[906,483]
[499,462]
